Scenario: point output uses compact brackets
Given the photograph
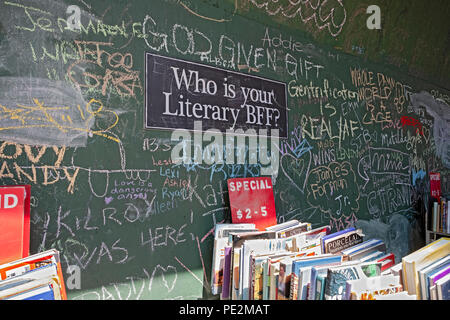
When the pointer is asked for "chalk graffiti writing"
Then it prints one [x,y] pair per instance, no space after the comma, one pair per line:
[325,14]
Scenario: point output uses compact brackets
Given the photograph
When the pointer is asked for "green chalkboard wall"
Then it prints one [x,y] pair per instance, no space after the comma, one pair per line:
[363,134]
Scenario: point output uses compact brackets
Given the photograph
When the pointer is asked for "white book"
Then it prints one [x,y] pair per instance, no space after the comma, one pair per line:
[221,228]
[371,256]
[17,267]
[284,225]
[274,271]
[303,280]
[433,293]
[373,286]
[397,269]
[44,272]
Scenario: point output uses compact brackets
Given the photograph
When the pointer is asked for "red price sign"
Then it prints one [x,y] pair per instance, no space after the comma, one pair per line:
[14,222]
[435,184]
[252,201]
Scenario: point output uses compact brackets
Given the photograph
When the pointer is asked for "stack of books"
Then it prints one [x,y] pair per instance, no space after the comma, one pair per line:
[291,261]
[440,221]
[36,277]
[426,271]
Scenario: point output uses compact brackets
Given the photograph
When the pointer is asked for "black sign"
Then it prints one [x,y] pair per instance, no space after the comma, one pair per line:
[179,93]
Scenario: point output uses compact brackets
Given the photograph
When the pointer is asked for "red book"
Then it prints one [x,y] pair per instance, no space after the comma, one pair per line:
[252,201]
[14,222]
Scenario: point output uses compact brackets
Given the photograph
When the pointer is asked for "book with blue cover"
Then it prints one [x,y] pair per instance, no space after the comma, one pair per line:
[443,288]
[40,293]
[360,246]
[437,275]
[321,281]
[315,273]
[300,280]
[362,249]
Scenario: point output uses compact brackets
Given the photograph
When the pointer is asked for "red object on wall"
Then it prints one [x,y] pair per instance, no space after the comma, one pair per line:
[252,201]
[14,222]
[435,184]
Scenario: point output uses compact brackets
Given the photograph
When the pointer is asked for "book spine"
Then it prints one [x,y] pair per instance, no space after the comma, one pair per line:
[448,216]
[444,216]
[320,287]
[252,278]
[435,213]
[294,287]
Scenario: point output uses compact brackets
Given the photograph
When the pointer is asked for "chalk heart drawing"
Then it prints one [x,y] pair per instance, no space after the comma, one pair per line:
[108,200]
[296,170]
[168,276]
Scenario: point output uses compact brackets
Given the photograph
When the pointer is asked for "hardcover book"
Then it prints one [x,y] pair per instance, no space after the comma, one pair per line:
[436,276]
[292,231]
[225,294]
[336,242]
[284,279]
